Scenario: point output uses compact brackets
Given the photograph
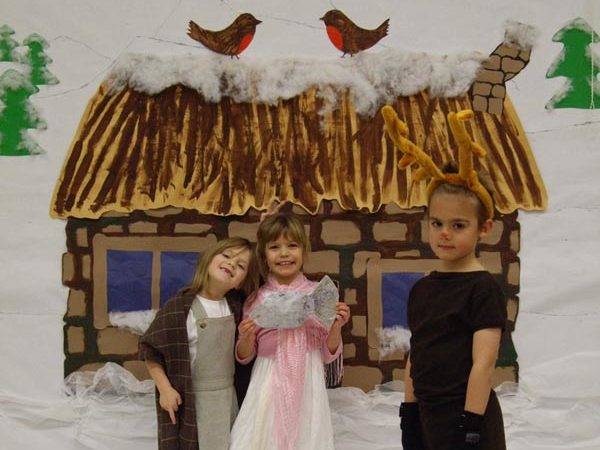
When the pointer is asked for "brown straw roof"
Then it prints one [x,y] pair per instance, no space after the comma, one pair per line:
[134,151]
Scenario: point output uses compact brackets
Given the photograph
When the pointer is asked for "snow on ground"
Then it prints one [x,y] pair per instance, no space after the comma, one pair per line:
[110,409]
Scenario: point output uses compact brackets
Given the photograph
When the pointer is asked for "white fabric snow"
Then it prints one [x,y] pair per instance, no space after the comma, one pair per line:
[371,78]
[555,406]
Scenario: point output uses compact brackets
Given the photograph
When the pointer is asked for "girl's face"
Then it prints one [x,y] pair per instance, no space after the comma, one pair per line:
[284,259]
[227,271]
[454,230]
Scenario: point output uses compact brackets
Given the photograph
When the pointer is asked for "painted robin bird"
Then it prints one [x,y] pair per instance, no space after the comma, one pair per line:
[348,37]
[231,40]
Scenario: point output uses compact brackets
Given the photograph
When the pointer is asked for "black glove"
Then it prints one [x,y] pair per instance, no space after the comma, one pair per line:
[410,424]
[468,432]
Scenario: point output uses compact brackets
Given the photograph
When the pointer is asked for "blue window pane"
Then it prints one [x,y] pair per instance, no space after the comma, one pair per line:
[129,276]
[395,288]
[176,271]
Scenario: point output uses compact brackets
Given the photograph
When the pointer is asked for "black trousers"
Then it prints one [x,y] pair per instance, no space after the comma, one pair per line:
[439,422]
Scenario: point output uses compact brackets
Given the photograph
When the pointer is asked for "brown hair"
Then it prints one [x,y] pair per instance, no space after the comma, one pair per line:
[454,189]
[250,283]
[286,224]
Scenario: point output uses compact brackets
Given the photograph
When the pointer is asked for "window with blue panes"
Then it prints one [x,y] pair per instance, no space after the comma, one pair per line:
[176,271]
[129,277]
[395,287]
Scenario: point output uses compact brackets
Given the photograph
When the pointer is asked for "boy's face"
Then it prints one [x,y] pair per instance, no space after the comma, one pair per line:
[284,259]
[454,230]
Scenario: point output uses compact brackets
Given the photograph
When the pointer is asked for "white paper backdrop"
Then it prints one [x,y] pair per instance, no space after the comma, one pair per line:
[558,327]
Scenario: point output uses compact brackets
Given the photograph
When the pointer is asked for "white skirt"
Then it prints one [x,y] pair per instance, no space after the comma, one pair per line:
[254,427]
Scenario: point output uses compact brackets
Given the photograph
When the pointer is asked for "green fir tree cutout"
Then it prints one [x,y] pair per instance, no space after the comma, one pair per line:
[579,64]
[18,115]
[8,44]
[38,60]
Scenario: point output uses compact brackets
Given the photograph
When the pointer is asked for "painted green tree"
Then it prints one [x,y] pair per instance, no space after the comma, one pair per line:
[18,115]
[8,44]
[37,60]
[579,64]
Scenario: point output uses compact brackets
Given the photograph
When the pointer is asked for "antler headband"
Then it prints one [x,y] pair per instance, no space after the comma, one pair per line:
[466,176]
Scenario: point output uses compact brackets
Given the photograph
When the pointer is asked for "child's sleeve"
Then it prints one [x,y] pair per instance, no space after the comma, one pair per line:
[154,339]
[328,356]
[317,332]
[488,308]
[246,360]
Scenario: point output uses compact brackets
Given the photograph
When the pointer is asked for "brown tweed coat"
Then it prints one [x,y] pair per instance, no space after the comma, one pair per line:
[166,342]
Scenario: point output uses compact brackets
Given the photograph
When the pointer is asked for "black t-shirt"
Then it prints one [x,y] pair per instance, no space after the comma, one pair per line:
[444,310]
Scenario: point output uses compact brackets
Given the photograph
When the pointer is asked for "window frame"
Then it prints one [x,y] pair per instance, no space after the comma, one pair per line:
[155,244]
[375,268]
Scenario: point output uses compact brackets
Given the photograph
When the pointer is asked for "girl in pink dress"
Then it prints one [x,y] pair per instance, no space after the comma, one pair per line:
[286,407]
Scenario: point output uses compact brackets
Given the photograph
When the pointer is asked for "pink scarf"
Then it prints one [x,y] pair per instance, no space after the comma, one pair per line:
[293,344]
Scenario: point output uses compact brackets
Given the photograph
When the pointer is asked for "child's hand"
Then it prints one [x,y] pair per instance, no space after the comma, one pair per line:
[410,425]
[246,339]
[169,401]
[342,315]
[247,331]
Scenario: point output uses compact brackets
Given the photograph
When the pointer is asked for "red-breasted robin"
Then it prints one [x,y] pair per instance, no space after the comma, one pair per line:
[348,37]
[231,40]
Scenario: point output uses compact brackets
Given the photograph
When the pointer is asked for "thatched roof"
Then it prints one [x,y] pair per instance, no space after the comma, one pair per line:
[139,147]
[136,151]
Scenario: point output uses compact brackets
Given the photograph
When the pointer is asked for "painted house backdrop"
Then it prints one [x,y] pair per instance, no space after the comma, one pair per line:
[152,179]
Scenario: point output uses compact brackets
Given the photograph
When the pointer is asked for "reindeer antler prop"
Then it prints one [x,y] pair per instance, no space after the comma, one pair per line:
[466,176]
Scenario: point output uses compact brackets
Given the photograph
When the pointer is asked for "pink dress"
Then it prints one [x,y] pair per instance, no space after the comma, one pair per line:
[286,407]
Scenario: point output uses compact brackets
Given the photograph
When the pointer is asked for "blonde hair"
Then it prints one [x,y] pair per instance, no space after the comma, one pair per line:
[281,224]
[250,283]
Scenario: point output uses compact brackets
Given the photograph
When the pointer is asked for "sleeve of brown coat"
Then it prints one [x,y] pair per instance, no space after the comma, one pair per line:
[156,343]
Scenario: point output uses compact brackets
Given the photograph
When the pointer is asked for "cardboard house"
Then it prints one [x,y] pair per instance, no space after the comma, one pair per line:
[154,176]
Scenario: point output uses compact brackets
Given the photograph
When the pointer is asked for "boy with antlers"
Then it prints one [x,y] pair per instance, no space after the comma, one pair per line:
[456,315]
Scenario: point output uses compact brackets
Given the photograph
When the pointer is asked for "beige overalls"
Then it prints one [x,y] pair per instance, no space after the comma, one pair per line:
[212,379]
